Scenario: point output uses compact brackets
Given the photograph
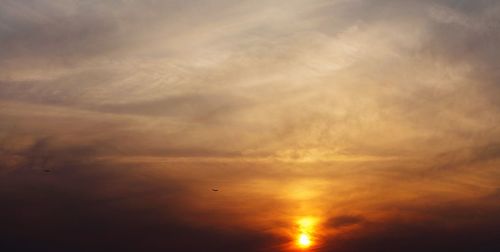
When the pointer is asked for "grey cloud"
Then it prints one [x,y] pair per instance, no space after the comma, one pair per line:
[257,66]
[89,204]
[46,31]
[344,221]
[467,158]
[199,107]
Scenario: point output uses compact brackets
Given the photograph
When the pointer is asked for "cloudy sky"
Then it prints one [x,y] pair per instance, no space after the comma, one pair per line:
[374,121]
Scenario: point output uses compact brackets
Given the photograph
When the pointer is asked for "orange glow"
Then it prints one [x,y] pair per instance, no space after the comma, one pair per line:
[305,238]
[304,241]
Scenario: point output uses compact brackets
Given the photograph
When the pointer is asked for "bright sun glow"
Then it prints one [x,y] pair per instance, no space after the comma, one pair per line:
[304,241]
[305,232]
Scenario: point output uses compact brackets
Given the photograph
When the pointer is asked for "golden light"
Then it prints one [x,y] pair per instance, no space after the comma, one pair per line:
[305,232]
[304,241]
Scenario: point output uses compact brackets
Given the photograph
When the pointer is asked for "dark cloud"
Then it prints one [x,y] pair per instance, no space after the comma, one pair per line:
[344,221]
[495,196]
[85,204]
[454,226]
[415,237]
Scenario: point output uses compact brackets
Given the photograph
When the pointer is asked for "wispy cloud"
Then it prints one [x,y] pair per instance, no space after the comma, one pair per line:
[353,107]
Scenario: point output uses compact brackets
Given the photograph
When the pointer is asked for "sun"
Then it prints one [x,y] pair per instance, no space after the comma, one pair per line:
[304,241]
[305,232]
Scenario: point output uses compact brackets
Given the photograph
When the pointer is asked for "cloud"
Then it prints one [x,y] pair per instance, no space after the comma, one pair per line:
[337,106]
[459,226]
[86,204]
[344,221]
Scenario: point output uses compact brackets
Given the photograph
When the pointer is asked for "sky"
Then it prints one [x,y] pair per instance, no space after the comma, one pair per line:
[218,125]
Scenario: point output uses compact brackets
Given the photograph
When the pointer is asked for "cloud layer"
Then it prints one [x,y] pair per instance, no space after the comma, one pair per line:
[380,117]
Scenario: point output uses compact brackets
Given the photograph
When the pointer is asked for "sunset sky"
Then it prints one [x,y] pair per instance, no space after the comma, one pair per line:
[242,126]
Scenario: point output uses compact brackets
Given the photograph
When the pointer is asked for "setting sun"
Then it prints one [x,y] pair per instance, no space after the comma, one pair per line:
[305,232]
[304,241]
